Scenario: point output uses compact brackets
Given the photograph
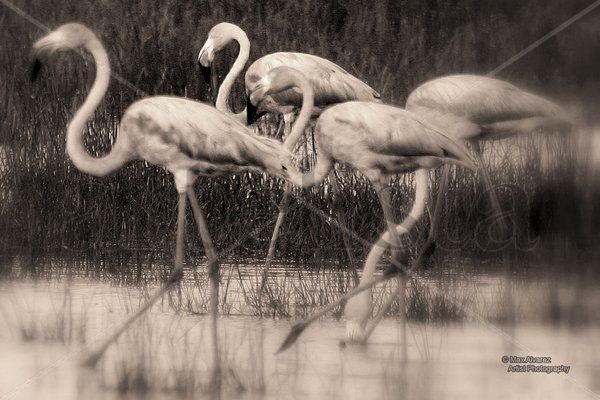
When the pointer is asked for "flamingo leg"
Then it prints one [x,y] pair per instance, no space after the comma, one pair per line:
[280,129]
[489,187]
[385,199]
[396,254]
[422,192]
[299,327]
[429,247]
[288,119]
[213,275]
[357,310]
[398,293]
[335,190]
[283,210]
[93,357]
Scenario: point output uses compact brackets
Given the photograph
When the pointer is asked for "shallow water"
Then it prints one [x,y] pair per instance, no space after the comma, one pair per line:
[47,326]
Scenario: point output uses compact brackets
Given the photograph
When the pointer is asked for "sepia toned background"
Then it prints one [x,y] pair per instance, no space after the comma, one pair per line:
[49,207]
[79,253]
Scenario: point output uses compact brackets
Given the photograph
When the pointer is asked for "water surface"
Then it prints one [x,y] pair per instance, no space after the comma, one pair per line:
[48,324]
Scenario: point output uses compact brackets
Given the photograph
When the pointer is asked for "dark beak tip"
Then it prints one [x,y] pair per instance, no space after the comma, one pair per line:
[206,72]
[251,110]
[36,67]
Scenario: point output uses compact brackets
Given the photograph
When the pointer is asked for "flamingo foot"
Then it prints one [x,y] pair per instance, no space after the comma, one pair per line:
[355,332]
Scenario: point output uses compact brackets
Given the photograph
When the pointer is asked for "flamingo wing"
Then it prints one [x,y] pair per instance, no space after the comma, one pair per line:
[198,131]
[331,83]
[383,130]
[408,134]
[479,99]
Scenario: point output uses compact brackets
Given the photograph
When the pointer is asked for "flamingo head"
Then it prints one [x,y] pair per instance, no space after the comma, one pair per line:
[286,167]
[219,36]
[206,57]
[279,161]
[276,80]
[69,36]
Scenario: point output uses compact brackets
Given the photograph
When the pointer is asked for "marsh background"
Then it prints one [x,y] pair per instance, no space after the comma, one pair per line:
[50,208]
[78,253]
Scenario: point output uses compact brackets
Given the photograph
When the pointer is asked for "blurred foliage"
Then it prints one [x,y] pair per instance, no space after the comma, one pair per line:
[49,206]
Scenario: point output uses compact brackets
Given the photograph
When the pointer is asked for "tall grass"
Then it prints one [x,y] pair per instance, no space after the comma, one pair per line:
[48,206]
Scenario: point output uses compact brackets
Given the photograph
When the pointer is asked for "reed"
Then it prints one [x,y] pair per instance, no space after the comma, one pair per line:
[164,354]
[47,207]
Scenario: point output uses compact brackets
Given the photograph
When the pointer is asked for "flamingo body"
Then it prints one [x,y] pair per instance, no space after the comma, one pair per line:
[381,140]
[331,84]
[479,107]
[473,108]
[186,137]
[181,134]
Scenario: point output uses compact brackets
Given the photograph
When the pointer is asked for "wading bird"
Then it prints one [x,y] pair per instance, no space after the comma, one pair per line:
[331,84]
[473,108]
[379,141]
[185,137]
[470,108]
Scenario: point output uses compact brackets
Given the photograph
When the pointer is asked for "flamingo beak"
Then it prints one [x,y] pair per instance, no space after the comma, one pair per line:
[206,73]
[36,67]
[252,103]
[46,45]
[251,110]
[205,59]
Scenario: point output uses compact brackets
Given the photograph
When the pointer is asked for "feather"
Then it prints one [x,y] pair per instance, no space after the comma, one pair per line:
[458,103]
[362,132]
[331,83]
[201,132]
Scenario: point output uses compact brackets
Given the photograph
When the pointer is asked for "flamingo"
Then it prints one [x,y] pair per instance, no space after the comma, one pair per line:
[379,141]
[185,137]
[331,85]
[472,108]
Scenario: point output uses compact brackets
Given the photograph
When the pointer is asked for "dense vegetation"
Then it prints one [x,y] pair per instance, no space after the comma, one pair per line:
[48,206]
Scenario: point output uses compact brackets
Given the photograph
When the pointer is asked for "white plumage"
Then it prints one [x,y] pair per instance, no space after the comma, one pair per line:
[185,137]
[474,108]
[479,107]
[331,84]
[378,140]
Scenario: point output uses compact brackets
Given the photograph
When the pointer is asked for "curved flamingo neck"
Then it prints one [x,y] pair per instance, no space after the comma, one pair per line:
[316,175]
[222,103]
[119,155]
[324,163]
[308,100]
